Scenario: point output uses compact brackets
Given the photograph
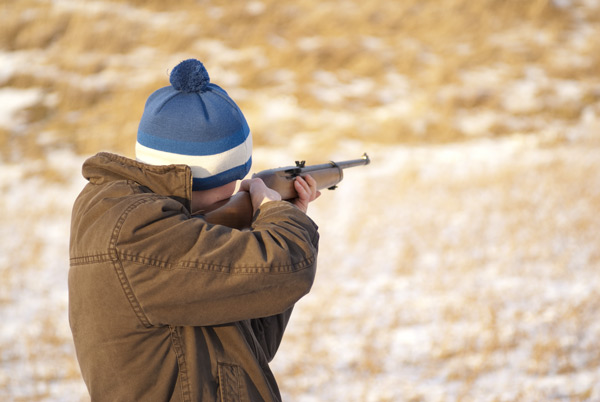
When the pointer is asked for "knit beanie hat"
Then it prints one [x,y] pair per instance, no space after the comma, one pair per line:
[194,122]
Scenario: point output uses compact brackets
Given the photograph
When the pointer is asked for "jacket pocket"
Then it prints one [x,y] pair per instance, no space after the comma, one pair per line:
[229,382]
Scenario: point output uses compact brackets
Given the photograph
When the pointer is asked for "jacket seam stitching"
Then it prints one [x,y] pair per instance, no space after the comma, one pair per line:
[238,269]
[185,381]
[118,264]
[90,259]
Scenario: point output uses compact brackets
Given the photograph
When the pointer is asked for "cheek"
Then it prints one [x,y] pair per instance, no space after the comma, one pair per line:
[226,191]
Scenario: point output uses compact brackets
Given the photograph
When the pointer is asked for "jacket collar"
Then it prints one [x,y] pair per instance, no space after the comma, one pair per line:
[173,181]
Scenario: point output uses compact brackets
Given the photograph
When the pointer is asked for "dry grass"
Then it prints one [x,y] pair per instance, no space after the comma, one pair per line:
[479,292]
[320,78]
[96,64]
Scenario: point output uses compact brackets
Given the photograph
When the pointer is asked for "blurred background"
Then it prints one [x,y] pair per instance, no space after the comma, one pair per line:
[461,265]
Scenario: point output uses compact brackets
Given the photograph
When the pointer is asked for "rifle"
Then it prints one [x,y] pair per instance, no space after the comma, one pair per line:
[237,210]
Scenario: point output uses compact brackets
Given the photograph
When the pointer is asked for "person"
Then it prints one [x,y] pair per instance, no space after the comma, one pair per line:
[164,306]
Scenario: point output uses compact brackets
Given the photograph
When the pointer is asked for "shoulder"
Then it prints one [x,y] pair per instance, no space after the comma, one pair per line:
[103,210]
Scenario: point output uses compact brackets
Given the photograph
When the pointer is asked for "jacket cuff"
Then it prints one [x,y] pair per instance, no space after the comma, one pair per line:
[277,211]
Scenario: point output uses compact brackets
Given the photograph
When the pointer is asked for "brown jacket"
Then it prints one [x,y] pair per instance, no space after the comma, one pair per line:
[165,307]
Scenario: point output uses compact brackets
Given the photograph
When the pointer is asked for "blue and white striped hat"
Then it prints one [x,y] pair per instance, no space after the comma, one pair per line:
[195,122]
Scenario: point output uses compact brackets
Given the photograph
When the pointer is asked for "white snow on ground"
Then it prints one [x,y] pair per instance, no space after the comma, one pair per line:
[37,355]
[459,272]
[453,272]
[13,100]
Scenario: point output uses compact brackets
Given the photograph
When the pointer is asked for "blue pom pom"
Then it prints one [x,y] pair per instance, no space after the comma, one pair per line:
[190,76]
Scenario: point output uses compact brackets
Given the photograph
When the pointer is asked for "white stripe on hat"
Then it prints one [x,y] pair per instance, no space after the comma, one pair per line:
[202,166]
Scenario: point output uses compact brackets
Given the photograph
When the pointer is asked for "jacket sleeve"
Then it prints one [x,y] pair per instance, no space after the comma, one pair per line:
[178,270]
[269,331]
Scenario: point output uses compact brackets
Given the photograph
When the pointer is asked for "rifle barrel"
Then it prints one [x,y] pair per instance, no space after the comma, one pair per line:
[364,160]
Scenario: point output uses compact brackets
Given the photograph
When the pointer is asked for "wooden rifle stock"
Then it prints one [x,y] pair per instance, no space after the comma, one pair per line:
[237,211]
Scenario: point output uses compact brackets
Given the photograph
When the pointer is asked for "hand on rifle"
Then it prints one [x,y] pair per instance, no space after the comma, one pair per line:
[259,193]
[307,191]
